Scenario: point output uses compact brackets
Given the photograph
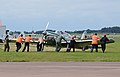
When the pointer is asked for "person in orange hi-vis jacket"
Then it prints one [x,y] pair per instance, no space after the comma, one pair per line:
[40,44]
[18,42]
[27,40]
[95,39]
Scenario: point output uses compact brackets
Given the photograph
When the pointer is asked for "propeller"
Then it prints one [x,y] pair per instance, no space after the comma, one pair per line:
[44,32]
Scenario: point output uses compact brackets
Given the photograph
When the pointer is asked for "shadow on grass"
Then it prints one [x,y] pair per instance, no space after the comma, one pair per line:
[17,61]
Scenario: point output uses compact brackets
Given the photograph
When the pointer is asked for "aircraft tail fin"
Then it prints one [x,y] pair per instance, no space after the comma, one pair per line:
[84,35]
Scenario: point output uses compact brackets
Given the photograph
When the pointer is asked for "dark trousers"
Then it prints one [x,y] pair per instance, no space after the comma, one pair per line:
[69,47]
[103,47]
[94,46]
[40,47]
[18,45]
[73,48]
[26,45]
[7,47]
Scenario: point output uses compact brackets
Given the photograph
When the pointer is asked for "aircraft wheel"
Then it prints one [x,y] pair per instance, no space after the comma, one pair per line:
[83,49]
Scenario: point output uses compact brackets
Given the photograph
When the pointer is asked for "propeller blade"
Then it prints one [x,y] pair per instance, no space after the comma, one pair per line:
[46,28]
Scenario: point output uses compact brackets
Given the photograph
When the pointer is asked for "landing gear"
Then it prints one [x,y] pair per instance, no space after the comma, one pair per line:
[84,48]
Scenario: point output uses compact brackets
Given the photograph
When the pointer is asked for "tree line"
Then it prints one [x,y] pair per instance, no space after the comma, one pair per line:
[115,29]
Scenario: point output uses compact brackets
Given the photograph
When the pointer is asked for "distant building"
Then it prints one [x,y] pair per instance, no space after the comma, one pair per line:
[2,32]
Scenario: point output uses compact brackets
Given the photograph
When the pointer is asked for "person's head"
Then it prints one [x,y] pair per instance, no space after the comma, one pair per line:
[21,35]
[104,35]
[29,35]
[95,33]
[72,38]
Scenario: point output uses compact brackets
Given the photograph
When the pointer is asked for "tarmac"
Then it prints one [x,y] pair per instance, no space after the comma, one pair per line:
[59,69]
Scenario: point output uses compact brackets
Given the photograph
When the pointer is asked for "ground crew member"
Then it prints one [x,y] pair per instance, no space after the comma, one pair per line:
[7,43]
[27,40]
[95,39]
[18,42]
[103,42]
[40,44]
[72,44]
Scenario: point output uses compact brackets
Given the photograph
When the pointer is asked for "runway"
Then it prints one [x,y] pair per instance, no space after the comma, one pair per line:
[59,69]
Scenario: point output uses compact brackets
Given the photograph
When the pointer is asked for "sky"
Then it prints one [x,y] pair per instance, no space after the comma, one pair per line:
[65,15]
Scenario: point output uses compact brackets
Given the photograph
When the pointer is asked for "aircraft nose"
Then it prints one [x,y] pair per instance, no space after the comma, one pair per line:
[44,33]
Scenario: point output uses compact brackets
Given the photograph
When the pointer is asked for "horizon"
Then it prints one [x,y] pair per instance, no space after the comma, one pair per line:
[60,30]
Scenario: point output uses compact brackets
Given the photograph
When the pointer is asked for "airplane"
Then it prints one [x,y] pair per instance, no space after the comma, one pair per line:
[81,43]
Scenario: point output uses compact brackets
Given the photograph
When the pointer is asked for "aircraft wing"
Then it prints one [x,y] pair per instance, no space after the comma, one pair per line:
[83,43]
[79,43]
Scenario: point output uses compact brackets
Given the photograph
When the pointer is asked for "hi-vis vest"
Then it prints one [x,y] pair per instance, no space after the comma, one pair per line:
[27,39]
[19,39]
[95,39]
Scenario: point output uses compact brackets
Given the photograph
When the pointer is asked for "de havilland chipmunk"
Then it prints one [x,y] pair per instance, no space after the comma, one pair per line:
[51,38]
[82,42]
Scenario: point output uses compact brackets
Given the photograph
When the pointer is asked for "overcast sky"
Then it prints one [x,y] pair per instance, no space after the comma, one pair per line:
[28,15]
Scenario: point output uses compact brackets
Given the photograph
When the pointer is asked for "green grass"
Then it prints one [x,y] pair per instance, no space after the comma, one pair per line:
[59,57]
[112,54]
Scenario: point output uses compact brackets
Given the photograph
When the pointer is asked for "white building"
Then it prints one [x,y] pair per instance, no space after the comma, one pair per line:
[2,32]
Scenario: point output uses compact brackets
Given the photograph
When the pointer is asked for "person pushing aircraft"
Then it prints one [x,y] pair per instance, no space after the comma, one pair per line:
[95,39]
[18,42]
[7,43]
[27,40]
[40,44]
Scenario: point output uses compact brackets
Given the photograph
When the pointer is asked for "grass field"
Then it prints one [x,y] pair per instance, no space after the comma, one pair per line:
[112,54]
